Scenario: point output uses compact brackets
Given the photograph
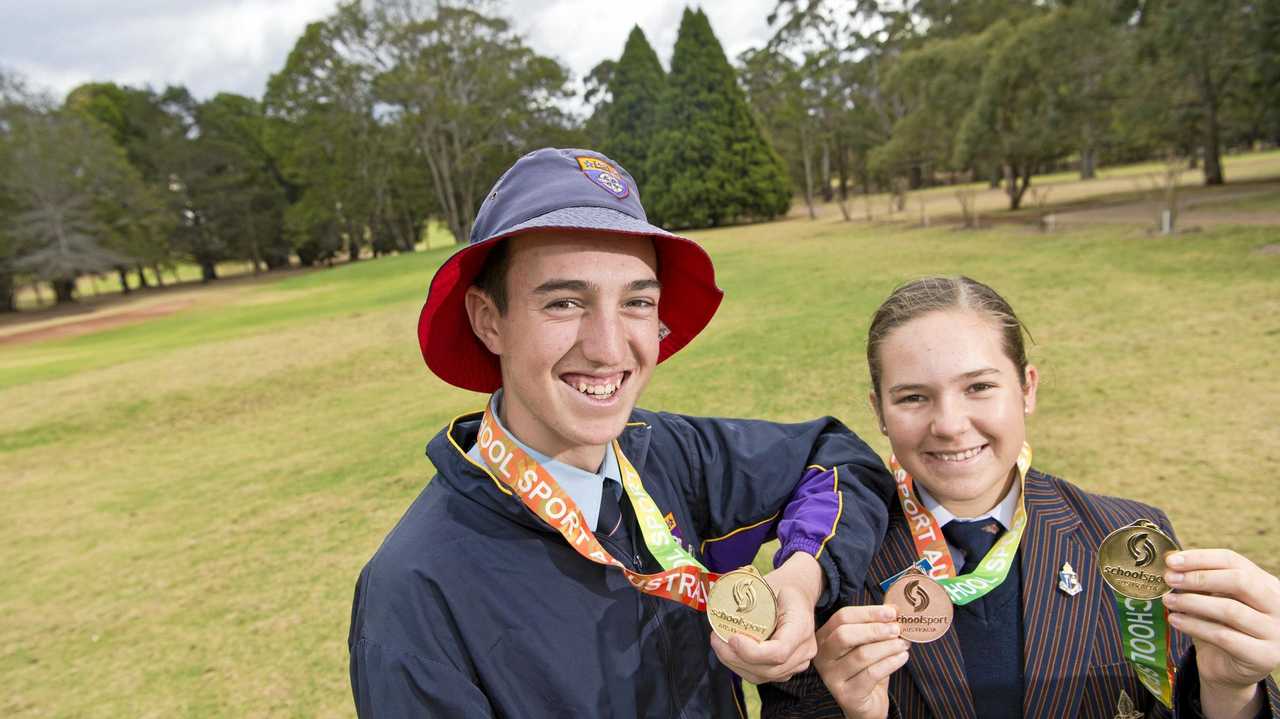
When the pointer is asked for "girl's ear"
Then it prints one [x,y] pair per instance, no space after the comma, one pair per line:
[875,407]
[1031,382]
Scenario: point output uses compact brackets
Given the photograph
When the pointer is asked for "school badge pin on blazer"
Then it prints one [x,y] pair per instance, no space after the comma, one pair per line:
[1125,708]
[1068,580]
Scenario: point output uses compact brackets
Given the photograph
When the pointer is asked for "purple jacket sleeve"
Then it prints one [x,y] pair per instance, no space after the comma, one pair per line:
[814,485]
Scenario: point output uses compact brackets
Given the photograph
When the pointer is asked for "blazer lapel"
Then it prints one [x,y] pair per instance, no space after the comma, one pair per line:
[936,668]
[1058,628]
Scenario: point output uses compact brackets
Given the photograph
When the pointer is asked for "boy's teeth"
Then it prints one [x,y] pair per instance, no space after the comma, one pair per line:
[598,390]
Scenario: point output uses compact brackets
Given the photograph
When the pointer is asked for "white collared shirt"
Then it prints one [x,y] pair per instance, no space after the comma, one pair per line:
[583,487]
[1002,513]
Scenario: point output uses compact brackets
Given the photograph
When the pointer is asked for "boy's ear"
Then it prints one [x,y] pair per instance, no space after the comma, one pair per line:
[484,316]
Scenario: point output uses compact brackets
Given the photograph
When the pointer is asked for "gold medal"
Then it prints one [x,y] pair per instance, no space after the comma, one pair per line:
[741,602]
[1131,560]
[924,608]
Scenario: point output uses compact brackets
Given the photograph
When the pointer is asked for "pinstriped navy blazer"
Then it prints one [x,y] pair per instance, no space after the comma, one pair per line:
[1073,666]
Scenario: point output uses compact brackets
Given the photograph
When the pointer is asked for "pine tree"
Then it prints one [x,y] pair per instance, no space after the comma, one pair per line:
[636,84]
[709,164]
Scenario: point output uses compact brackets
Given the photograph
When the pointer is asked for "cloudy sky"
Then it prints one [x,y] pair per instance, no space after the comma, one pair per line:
[234,45]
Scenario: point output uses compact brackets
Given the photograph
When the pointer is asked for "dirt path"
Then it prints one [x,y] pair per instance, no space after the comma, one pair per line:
[1197,208]
[95,314]
[17,335]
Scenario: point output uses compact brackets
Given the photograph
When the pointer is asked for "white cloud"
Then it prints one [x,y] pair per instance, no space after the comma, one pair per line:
[581,33]
[226,45]
[213,46]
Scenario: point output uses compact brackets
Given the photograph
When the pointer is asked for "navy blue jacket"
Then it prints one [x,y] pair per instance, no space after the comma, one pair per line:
[1073,665]
[474,607]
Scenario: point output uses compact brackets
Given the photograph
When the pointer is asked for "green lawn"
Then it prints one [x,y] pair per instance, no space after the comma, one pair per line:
[187,501]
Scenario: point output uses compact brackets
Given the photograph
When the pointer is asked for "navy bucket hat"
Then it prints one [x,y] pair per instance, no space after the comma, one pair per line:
[570,190]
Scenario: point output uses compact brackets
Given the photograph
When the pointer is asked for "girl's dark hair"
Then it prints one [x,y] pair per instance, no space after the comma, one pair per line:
[934,294]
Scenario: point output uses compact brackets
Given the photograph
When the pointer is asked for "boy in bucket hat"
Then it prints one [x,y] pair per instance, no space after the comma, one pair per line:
[559,562]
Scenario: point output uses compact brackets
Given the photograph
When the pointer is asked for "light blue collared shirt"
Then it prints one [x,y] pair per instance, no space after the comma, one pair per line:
[1002,513]
[583,487]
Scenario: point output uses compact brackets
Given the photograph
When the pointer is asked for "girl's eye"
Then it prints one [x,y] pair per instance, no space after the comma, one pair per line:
[979,387]
[910,399]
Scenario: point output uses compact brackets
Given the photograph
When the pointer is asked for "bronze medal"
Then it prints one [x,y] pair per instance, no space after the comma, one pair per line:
[1131,560]
[741,602]
[924,608]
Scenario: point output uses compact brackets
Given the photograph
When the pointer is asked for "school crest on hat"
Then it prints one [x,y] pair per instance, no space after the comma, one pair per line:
[604,175]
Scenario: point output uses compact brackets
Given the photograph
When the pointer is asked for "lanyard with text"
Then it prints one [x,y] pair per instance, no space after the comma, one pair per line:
[931,544]
[1144,637]
[683,578]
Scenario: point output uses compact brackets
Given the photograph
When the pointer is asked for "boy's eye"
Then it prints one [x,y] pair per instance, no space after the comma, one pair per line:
[562,304]
[981,387]
[641,303]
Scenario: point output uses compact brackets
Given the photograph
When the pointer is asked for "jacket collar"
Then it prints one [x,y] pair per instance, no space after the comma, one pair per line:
[472,481]
[1054,659]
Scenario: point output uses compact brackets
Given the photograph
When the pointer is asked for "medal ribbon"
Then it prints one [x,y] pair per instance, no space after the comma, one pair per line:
[931,544]
[683,578]
[1144,641]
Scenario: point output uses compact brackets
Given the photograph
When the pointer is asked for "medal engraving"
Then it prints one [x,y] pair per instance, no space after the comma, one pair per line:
[924,608]
[741,602]
[1131,560]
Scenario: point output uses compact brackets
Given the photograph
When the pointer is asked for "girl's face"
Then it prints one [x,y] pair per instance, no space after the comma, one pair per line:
[954,408]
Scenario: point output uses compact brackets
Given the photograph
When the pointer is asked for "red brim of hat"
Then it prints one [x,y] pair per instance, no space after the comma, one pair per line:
[690,298]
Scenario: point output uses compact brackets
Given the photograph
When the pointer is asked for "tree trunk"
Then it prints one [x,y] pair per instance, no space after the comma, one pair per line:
[806,155]
[1017,188]
[993,180]
[208,271]
[8,302]
[1212,148]
[124,280]
[159,279]
[1088,163]
[827,194]
[842,168]
[916,178]
[142,278]
[64,290]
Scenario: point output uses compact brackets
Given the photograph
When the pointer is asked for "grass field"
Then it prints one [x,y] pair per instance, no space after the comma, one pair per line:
[187,501]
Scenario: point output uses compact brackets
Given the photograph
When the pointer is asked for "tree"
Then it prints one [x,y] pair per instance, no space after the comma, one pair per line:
[1026,112]
[67,182]
[784,105]
[16,101]
[936,85]
[240,187]
[340,163]
[635,87]
[1265,74]
[468,91]
[710,164]
[1204,45]
[140,126]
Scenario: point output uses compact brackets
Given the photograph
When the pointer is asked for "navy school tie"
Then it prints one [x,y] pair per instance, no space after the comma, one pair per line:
[972,538]
[610,517]
[990,629]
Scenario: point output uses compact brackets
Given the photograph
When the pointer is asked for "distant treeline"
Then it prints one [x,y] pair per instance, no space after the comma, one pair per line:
[898,95]
[391,114]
